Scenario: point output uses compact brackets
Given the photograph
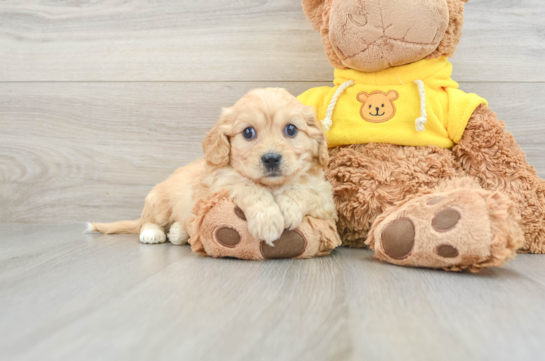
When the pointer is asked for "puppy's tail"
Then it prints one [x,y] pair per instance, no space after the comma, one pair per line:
[130,227]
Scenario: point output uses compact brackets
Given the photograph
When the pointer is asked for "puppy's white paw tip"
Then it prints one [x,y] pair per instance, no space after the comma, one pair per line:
[152,236]
[177,236]
[89,228]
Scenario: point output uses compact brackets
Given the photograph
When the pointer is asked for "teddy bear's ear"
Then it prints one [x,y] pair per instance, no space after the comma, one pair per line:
[450,41]
[362,97]
[314,11]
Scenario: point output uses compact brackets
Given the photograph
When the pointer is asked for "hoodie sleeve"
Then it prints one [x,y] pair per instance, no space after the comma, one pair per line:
[317,98]
[461,108]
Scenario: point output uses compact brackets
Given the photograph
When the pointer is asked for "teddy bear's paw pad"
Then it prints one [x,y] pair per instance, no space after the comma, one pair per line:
[446,220]
[291,244]
[228,237]
[240,214]
[398,238]
[447,251]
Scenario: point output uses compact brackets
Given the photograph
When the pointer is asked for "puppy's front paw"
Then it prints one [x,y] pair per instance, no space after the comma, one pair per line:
[266,224]
[291,212]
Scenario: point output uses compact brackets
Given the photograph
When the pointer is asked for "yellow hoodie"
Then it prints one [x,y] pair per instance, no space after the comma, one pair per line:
[416,104]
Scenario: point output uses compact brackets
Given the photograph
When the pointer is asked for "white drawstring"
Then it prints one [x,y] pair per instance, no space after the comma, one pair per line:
[328,122]
[421,122]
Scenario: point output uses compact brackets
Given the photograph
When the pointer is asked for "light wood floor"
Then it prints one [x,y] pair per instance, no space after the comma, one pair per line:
[69,296]
[101,100]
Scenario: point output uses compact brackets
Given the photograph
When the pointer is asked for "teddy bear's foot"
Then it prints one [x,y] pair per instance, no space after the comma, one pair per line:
[221,230]
[461,229]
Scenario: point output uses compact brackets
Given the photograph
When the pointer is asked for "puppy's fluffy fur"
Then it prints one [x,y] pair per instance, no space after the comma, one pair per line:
[271,200]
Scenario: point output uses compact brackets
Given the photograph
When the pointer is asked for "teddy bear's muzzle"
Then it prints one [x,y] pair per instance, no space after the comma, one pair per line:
[388,32]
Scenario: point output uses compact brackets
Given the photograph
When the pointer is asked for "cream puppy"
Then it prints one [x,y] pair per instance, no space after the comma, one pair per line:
[268,151]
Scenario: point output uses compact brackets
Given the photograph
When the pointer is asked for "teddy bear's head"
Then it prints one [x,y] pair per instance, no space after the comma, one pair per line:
[373,35]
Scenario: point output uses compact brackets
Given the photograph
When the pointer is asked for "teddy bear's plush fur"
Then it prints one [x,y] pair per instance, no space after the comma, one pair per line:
[496,200]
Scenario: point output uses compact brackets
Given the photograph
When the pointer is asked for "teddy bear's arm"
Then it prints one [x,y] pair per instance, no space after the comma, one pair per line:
[461,106]
[492,156]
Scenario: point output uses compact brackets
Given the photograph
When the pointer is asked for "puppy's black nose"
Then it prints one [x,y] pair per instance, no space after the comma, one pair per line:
[378,109]
[271,161]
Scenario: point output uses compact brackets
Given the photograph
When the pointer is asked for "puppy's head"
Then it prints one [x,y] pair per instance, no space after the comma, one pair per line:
[269,137]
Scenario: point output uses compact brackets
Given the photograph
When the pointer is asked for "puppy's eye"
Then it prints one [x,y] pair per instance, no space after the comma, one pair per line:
[370,106]
[249,133]
[291,130]
[383,105]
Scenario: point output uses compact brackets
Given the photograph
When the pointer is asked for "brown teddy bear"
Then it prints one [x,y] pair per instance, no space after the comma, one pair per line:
[423,173]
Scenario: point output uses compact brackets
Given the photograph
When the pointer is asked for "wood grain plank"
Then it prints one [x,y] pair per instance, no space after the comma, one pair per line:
[502,41]
[227,40]
[419,314]
[65,295]
[92,151]
[71,283]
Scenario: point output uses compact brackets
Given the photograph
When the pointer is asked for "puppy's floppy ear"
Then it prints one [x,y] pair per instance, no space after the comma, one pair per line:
[316,132]
[313,10]
[216,144]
